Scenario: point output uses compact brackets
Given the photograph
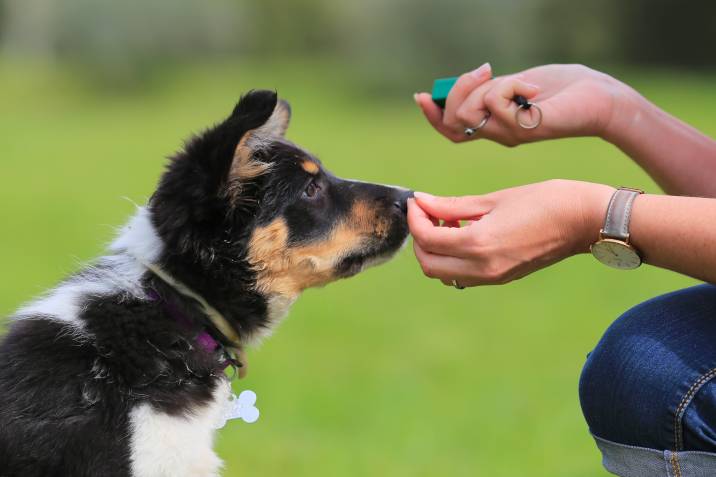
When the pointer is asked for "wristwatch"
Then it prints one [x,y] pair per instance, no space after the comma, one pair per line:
[613,247]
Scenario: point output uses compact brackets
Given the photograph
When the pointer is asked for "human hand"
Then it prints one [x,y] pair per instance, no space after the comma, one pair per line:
[510,233]
[575,101]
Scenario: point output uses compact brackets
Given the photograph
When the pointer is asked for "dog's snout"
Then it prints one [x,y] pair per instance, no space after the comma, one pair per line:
[401,203]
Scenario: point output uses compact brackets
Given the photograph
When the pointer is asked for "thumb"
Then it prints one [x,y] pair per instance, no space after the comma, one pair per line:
[433,113]
[453,208]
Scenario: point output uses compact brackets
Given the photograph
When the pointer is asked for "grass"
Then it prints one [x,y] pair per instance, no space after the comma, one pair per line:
[388,373]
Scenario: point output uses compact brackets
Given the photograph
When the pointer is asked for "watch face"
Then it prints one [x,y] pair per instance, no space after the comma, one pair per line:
[616,254]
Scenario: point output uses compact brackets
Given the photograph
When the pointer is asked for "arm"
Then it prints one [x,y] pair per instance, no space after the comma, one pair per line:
[677,233]
[517,231]
[578,101]
[678,157]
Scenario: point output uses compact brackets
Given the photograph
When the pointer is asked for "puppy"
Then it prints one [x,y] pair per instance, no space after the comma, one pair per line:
[120,370]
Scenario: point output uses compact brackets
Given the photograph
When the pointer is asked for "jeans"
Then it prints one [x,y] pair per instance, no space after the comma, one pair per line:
[648,391]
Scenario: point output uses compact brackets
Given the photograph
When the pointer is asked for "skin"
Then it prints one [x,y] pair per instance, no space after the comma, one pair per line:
[514,232]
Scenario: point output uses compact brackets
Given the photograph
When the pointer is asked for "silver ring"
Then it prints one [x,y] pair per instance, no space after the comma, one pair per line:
[457,285]
[473,130]
[528,126]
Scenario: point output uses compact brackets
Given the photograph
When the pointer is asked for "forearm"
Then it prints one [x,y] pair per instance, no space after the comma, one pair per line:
[678,157]
[676,233]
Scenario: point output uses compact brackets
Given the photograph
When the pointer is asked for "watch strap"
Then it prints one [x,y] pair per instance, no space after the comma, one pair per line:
[616,224]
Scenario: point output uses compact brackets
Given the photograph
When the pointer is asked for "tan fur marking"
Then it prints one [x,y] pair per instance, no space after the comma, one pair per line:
[310,167]
[244,167]
[288,270]
[367,219]
[278,122]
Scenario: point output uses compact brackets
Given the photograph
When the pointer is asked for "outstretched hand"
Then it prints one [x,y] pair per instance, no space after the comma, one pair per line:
[509,233]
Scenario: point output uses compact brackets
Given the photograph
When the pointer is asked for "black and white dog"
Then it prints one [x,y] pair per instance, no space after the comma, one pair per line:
[119,371]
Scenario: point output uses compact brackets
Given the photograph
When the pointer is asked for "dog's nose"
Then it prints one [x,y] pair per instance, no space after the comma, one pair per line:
[402,202]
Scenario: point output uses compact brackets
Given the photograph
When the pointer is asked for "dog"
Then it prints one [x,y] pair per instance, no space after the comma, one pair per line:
[120,370]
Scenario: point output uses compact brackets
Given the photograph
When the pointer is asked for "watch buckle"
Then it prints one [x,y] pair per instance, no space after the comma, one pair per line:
[625,239]
[633,189]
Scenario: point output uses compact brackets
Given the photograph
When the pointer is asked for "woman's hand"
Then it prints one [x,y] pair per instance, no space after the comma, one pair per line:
[511,233]
[575,100]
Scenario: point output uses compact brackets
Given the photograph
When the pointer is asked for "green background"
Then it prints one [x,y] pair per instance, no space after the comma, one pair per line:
[388,373]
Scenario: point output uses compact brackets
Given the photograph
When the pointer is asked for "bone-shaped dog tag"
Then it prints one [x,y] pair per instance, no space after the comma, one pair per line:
[242,407]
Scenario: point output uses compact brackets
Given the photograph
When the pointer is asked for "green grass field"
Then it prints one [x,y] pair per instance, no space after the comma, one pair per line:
[386,374]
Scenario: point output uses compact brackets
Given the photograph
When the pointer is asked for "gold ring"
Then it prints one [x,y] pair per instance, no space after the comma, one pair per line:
[457,285]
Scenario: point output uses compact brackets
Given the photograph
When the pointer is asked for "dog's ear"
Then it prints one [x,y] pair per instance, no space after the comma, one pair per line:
[262,118]
[258,119]
[225,153]
[219,164]
[245,166]
[267,116]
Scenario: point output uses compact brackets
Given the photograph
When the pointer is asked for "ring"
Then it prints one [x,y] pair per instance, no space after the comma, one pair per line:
[526,106]
[471,131]
[457,285]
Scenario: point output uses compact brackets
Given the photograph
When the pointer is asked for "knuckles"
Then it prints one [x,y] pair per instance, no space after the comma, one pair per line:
[491,100]
[494,276]
[510,143]
[428,271]
[426,267]
[465,116]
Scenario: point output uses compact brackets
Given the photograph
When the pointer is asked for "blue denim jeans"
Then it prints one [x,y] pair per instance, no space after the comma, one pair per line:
[648,391]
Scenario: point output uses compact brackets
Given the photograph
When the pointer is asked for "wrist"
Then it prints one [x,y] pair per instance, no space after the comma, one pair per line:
[592,203]
[627,108]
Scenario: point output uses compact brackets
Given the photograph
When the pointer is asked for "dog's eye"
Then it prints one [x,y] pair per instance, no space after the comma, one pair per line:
[312,189]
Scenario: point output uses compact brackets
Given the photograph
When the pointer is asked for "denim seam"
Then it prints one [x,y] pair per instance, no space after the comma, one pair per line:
[678,431]
[675,465]
[679,416]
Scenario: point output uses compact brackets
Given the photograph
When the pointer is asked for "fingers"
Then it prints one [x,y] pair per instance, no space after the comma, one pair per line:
[442,267]
[434,114]
[495,98]
[446,269]
[474,97]
[441,120]
[453,209]
[460,91]
[452,241]
[473,109]
[499,99]
[451,224]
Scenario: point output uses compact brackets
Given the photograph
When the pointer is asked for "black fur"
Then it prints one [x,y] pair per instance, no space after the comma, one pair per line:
[66,394]
[48,427]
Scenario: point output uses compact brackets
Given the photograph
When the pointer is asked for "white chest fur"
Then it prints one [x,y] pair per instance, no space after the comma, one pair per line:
[176,446]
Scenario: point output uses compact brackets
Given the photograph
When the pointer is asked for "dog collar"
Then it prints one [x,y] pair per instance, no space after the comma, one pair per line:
[204,339]
[242,407]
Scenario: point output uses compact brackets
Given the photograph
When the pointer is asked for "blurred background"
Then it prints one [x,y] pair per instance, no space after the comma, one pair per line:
[388,373]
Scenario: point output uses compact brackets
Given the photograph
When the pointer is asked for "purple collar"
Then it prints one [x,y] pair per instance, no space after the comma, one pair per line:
[204,340]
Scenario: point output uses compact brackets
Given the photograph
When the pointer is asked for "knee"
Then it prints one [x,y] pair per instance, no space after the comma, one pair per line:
[627,385]
[611,373]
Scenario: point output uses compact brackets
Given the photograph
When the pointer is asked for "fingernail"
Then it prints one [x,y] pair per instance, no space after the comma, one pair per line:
[482,71]
[415,98]
[531,85]
[423,195]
